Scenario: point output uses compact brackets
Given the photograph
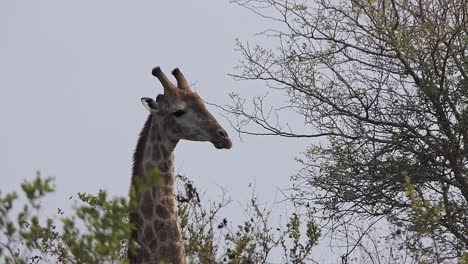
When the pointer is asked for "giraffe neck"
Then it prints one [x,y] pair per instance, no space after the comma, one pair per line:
[157,228]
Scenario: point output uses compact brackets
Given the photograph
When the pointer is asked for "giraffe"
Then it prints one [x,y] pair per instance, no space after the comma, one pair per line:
[177,114]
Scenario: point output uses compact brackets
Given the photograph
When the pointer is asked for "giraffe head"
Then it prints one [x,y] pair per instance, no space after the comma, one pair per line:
[184,113]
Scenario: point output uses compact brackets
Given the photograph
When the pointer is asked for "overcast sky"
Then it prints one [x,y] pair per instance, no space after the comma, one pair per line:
[71,77]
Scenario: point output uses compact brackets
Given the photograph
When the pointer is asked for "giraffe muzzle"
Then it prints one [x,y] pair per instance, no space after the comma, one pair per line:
[224,144]
[222,140]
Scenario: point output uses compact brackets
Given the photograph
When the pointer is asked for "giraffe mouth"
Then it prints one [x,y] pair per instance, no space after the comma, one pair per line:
[222,143]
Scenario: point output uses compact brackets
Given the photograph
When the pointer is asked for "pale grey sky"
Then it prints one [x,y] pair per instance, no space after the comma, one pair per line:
[71,77]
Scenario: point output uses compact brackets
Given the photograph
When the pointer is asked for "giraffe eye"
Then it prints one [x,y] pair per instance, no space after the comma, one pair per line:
[178,113]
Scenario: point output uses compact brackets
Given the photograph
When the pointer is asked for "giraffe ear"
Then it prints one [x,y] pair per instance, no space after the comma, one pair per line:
[149,104]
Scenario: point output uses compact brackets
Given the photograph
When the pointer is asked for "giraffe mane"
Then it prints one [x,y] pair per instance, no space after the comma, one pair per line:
[137,170]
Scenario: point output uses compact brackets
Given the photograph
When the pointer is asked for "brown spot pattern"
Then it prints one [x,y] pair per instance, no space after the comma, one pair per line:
[158,225]
[149,234]
[146,207]
[162,235]
[155,155]
[163,251]
[162,212]
[163,151]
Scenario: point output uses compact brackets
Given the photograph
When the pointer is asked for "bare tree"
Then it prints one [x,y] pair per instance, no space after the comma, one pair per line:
[385,82]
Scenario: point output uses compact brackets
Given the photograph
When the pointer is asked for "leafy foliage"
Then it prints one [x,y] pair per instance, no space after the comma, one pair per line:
[211,238]
[95,233]
[98,229]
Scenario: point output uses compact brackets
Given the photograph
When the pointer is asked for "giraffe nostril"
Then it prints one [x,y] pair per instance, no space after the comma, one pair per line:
[222,133]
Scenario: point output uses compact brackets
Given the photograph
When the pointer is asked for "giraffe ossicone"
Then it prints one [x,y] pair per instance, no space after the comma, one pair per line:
[177,114]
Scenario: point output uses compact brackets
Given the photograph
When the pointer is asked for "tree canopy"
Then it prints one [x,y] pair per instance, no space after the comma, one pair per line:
[384,83]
